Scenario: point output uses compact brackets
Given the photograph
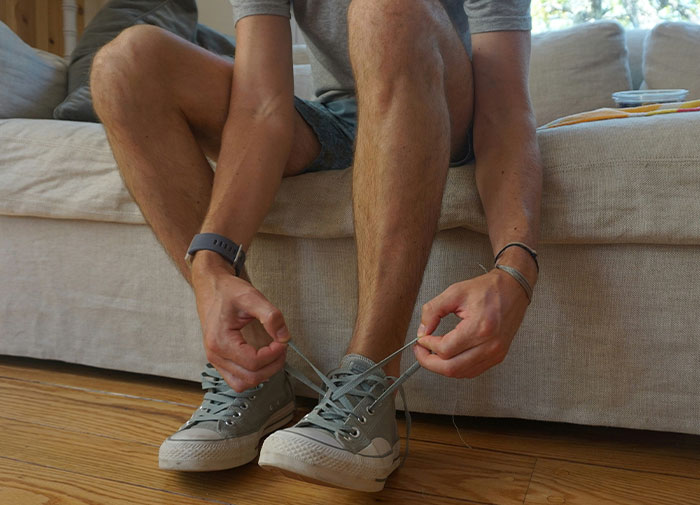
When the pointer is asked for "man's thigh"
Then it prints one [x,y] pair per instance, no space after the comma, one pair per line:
[198,82]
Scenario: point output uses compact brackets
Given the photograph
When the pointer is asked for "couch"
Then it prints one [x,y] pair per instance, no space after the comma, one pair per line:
[613,333]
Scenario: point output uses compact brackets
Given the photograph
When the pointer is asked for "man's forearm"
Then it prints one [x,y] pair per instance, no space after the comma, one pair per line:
[255,150]
[509,180]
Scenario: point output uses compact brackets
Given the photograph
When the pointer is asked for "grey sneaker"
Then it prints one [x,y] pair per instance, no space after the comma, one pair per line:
[225,431]
[350,439]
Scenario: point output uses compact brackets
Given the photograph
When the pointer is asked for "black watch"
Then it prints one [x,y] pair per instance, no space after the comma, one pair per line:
[229,250]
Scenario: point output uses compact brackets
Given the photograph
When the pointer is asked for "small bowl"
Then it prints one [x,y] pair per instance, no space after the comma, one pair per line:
[639,97]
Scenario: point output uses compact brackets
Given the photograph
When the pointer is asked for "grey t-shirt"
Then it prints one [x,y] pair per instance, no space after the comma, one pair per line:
[324,25]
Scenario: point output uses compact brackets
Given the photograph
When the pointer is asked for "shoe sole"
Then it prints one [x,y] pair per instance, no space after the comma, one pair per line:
[238,456]
[297,469]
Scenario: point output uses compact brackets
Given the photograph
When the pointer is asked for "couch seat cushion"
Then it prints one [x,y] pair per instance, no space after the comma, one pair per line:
[617,181]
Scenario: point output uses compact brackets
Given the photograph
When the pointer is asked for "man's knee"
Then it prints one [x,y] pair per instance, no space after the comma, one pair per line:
[121,67]
[394,38]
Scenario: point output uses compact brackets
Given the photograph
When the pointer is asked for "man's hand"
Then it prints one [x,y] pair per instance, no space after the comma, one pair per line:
[226,304]
[491,307]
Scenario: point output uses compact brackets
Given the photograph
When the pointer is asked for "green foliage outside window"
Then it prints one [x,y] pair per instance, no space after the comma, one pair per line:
[555,14]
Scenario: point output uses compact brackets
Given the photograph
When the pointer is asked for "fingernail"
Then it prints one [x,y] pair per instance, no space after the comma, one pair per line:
[421,331]
[283,333]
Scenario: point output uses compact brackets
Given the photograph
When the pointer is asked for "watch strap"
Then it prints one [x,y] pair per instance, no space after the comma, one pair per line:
[229,250]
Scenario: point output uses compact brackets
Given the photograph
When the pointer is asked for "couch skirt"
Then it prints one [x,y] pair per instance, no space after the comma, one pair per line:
[612,336]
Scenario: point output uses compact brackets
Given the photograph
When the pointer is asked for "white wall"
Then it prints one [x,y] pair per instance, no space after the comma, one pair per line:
[217,14]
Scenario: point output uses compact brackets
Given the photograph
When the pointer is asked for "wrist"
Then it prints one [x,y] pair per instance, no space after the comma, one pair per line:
[521,260]
[209,262]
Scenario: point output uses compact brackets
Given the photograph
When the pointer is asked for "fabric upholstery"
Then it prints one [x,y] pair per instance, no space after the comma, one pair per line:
[32,83]
[671,58]
[627,180]
[577,69]
[610,339]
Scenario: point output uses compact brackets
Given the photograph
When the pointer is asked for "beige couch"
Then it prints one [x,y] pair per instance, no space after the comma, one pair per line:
[612,336]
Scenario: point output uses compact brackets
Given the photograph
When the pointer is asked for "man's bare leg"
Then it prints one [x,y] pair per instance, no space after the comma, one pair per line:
[415,97]
[164,102]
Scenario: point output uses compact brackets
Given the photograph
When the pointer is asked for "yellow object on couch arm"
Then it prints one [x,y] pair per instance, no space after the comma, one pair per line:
[610,113]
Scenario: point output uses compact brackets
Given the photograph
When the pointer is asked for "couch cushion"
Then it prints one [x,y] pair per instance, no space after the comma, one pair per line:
[32,82]
[577,69]
[616,181]
[671,58]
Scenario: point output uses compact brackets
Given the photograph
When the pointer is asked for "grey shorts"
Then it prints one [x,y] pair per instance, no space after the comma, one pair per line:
[335,125]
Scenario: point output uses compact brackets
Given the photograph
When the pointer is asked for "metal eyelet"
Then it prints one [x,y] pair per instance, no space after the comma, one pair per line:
[252,397]
[236,414]
[244,406]
[369,411]
[228,422]
[355,433]
[362,420]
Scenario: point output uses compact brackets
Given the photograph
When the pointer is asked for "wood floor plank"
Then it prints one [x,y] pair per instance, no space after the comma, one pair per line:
[137,464]
[670,453]
[84,377]
[25,484]
[648,451]
[559,482]
[126,418]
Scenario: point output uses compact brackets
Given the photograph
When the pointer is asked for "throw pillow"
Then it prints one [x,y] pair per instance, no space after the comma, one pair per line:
[577,69]
[671,58]
[32,82]
[176,16]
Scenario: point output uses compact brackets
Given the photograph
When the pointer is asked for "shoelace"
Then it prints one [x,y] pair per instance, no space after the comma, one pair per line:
[335,407]
[220,401]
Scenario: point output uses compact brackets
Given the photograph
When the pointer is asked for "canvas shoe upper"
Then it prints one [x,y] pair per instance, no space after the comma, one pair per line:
[350,439]
[225,431]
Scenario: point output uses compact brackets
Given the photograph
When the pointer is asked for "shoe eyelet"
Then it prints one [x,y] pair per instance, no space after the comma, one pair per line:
[244,406]
[236,414]
[369,411]
[252,397]
[362,420]
[355,433]
[228,422]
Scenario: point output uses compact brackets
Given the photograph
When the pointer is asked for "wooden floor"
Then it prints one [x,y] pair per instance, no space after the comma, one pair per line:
[78,435]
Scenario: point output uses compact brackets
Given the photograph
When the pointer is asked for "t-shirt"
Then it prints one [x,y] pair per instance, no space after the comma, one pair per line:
[324,26]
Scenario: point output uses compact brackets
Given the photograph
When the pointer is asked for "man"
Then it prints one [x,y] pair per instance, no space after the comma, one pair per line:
[167,104]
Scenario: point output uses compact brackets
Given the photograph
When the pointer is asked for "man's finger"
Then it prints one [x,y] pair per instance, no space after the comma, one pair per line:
[437,308]
[458,366]
[241,379]
[254,303]
[232,346]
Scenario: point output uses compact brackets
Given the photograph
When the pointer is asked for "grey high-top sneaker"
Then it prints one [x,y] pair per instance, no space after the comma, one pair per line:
[349,439]
[225,431]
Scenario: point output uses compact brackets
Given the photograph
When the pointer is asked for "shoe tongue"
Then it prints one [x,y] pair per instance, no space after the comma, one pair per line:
[357,364]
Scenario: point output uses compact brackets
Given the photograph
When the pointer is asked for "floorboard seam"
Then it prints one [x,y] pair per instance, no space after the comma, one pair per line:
[527,490]
[100,391]
[433,495]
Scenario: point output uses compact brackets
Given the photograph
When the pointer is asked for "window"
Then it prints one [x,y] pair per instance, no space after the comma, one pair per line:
[555,14]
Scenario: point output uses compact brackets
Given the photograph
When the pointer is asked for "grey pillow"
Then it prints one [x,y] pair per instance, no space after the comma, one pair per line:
[32,82]
[176,16]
